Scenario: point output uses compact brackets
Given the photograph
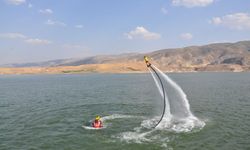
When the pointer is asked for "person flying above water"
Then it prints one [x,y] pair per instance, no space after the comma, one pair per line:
[147,61]
[97,123]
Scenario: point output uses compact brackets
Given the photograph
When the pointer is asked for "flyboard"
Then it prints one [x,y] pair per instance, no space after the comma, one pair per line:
[162,87]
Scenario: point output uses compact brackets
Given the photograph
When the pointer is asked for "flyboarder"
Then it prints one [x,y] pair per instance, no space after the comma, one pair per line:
[97,123]
[147,61]
[151,67]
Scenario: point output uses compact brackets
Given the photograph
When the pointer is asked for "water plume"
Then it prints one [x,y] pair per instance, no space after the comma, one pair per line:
[177,115]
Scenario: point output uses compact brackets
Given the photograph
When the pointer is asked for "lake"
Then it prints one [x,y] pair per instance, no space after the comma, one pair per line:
[48,112]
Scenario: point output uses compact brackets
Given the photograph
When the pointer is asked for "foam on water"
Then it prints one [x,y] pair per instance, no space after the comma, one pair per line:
[140,135]
[91,128]
[135,137]
[145,133]
[175,125]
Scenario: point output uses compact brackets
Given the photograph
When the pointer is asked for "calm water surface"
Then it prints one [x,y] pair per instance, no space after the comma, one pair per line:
[48,111]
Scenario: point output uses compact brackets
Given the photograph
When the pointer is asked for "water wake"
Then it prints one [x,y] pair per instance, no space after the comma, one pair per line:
[177,117]
[116,116]
[135,137]
[106,118]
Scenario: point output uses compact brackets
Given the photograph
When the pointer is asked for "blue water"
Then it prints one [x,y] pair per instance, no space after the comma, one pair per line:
[48,111]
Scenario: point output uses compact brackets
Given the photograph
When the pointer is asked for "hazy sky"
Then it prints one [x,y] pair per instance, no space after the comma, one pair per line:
[37,30]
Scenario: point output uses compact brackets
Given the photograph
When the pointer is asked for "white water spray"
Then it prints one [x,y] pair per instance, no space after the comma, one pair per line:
[167,115]
[178,115]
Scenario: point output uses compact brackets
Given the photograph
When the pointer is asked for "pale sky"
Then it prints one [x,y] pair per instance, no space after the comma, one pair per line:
[32,30]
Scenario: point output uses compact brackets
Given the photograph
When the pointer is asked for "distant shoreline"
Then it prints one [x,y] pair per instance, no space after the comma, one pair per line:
[118,68]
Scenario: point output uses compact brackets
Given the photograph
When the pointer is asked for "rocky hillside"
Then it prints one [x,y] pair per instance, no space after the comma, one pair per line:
[213,54]
[212,57]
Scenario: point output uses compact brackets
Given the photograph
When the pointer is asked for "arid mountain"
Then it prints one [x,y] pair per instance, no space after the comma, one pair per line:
[212,57]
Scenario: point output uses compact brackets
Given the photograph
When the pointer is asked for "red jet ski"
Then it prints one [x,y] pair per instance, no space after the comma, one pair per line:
[97,123]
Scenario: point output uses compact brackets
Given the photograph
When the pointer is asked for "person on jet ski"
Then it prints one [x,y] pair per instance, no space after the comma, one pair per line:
[97,123]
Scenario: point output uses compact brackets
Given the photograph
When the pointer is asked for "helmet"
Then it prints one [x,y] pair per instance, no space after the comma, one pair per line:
[97,118]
